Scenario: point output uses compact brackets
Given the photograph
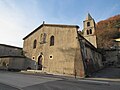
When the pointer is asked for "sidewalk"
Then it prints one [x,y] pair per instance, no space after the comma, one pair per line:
[109,74]
[104,79]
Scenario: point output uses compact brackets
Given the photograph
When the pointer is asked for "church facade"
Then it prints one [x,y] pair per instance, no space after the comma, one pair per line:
[61,49]
[58,46]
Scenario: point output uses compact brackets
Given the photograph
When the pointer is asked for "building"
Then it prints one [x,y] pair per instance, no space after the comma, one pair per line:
[11,57]
[61,49]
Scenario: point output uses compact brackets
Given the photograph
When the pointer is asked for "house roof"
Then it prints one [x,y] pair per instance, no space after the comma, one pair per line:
[10,46]
[12,56]
[53,25]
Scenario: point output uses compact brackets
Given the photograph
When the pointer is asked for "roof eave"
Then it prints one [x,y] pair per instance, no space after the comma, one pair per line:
[33,31]
[49,25]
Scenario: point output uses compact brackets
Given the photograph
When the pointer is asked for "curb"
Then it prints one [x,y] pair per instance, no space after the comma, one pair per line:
[67,76]
[104,79]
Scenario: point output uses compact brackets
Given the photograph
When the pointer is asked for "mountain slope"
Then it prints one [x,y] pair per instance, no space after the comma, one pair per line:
[107,31]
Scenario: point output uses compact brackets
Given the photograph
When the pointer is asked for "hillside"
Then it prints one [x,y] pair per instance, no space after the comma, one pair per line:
[107,30]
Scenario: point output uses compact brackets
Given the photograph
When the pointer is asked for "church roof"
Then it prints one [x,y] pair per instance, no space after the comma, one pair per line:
[53,25]
[88,17]
[87,43]
[10,46]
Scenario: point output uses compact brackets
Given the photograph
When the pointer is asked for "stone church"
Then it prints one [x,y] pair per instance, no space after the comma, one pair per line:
[61,49]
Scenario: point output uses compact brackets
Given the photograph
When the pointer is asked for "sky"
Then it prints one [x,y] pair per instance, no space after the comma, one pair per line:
[20,17]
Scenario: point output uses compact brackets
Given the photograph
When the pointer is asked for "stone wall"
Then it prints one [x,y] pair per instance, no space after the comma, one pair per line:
[111,56]
[92,59]
[12,63]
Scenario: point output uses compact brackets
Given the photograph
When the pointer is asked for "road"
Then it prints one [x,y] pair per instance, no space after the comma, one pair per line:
[17,81]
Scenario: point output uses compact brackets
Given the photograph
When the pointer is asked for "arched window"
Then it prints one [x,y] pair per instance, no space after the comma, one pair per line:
[87,32]
[90,31]
[52,41]
[88,24]
[34,43]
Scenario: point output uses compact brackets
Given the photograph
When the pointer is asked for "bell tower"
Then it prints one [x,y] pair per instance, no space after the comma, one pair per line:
[89,30]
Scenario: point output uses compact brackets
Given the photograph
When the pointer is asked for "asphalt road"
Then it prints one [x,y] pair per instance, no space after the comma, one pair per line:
[7,87]
[16,81]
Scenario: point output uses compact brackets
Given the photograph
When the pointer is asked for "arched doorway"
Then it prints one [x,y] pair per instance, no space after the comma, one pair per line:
[40,62]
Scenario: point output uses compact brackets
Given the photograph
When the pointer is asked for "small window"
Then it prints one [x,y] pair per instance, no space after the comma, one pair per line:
[51,56]
[88,24]
[90,31]
[52,41]
[87,32]
[34,44]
